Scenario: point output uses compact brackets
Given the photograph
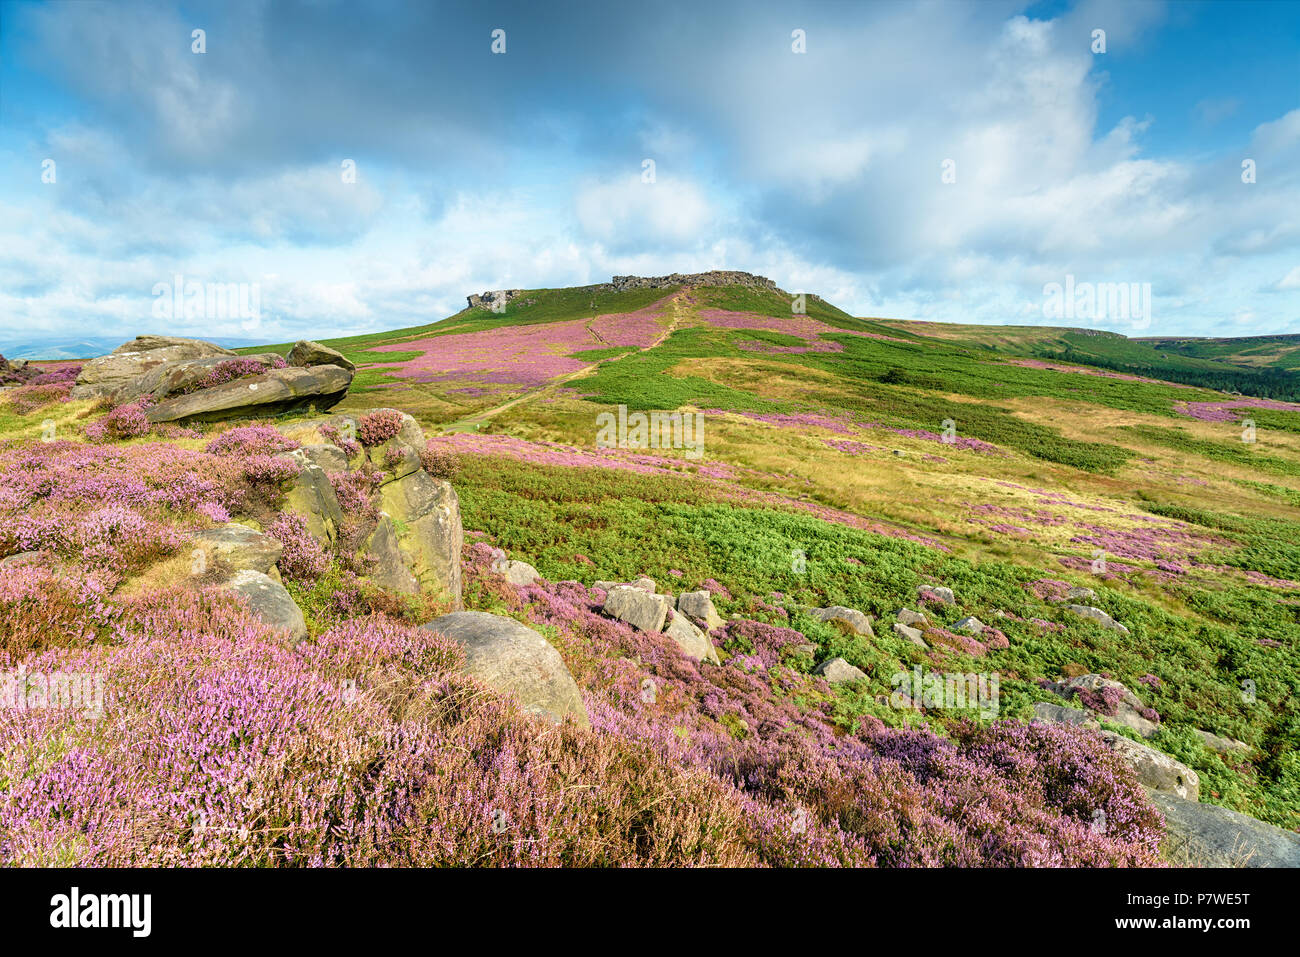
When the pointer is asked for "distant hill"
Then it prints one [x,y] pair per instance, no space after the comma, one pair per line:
[83,348]
[1263,366]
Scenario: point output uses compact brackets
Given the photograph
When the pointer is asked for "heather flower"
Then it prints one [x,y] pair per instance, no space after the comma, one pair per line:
[303,558]
[379,426]
[251,440]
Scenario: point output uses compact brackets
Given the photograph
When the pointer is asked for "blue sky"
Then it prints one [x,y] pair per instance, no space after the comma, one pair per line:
[480,171]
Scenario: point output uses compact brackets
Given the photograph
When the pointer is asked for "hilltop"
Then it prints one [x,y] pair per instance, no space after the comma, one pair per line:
[737,607]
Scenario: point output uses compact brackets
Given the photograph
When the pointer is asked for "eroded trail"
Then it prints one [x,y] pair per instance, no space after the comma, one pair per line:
[678,308]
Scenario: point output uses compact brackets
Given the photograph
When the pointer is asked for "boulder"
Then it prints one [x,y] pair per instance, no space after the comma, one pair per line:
[516,572]
[387,564]
[1099,616]
[693,642]
[1206,835]
[699,606]
[278,390]
[846,619]
[179,375]
[911,634]
[514,659]
[636,606]
[911,618]
[1154,768]
[837,671]
[131,360]
[1128,708]
[312,497]
[1228,747]
[238,548]
[1082,594]
[426,516]
[971,625]
[937,593]
[1048,713]
[307,353]
[268,600]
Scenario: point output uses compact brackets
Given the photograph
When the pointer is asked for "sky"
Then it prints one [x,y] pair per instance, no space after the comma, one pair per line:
[938,161]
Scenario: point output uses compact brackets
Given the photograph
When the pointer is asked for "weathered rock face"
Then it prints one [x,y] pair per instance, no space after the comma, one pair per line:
[312,497]
[838,671]
[238,548]
[269,601]
[1154,768]
[389,570]
[640,609]
[493,297]
[699,605]
[178,375]
[693,642]
[846,619]
[306,353]
[426,515]
[131,360]
[1206,835]
[278,390]
[971,625]
[514,659]
[329,457]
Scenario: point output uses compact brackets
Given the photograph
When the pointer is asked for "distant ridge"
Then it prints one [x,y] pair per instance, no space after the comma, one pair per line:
[715,277]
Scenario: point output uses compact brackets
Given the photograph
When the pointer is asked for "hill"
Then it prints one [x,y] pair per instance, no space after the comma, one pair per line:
[865,504]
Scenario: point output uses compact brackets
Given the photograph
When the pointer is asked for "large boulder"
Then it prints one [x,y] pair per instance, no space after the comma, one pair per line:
[181,375]
[1206,835]
[268,600]
[641,609]
[129,361]
[237,548]
[516,660]
[849,620]
[699,605]
[693,642]
[306,353]
[1154,768]
[426,516]
[1048,713]
[276,391]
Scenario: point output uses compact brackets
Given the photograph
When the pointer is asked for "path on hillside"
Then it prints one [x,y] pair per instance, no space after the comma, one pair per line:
[677,312]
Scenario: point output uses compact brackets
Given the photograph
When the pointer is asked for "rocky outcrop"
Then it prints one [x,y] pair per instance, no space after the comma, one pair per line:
[911,634]
[716,277]
[838,671]
[426,514]
[1049,713]
[848,620]
[913,619]
[1206,835]
[493,297]
[938,593]
[1154,768]
[273,392]
[312,497]
[387,563]
[306,353]
[268,600]
[514,659]
[971,625]
[132,360]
